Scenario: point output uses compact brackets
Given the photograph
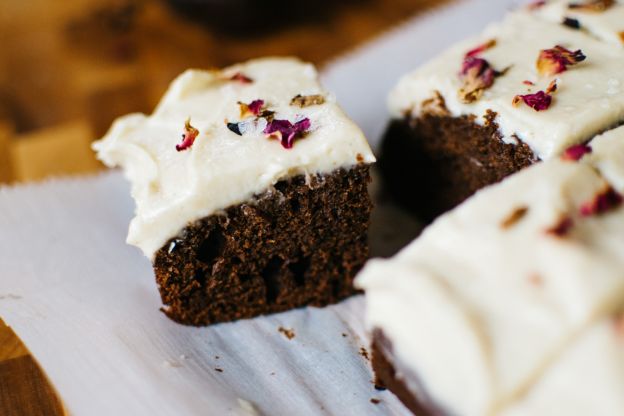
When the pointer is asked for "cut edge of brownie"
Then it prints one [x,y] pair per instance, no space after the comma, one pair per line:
[432,163]
[300,243]
[387,377]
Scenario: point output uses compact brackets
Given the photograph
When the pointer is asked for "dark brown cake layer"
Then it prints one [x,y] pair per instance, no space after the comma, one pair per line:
[300,243]
[386,377]
[435,162]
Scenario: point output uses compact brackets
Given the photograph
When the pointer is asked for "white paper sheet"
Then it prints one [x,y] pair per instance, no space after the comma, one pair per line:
[87,307]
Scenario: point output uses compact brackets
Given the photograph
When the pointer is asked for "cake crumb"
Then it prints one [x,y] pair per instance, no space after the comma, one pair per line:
[217,357]
[220,370]
[375,400]
[10,296]
[288,333]
[364,353]
[344,335]
[359,158]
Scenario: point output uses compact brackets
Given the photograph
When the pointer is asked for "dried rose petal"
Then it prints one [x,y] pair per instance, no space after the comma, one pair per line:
[576,152]
[251,109]
[603,202]
[477,76]
[556,60]
[481,48]
[515,216]
[536,4]
[571,23]
[188,137]
[307,100]
[592,6]
[240,77]
[286,132]
[527,82]
[539,101]
[562,228]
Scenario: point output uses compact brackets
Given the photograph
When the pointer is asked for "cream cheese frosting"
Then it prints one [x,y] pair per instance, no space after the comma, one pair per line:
[174,188]
[590,95]
[491,307]
[607,25]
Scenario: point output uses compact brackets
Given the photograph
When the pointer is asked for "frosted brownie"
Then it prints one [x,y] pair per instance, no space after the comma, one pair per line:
[513,302]
[523,91]
[251,195]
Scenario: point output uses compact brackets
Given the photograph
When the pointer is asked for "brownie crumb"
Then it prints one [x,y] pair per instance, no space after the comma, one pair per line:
[375,401]
[364,353]
[514,217]
[344,335]
[220,370]
[288,333]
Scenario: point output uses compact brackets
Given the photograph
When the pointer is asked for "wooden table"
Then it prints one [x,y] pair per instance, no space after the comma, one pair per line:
[67,69]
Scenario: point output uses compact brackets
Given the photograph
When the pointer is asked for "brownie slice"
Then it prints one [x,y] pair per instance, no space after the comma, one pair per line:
[446,160]
[298,244]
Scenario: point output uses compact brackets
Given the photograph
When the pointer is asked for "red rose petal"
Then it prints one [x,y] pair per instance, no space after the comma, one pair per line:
[189,136]
[477,76]
[481,48]
[556,60]
[562,228]
[576,152]
[602,203]
[539,101]
[240,77]
[287,132]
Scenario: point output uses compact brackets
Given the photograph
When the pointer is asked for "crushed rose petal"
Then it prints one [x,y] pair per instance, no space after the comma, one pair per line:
[188,137]
[481,48]
[576,152]
[252,109]
[307,100]
[562,228]
[556,60]
[539,101]
[527,82]
[515,216]
[286,132]
[242,78]
[571,23]
[536,4]
[477,76]
[592,5]
[603,202]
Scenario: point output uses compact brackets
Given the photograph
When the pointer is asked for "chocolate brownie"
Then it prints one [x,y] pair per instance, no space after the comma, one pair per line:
[261,206]
[300,243]
[524,91]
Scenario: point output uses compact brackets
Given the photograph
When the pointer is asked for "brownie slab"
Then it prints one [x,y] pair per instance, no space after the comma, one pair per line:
[298,244]
[446,160]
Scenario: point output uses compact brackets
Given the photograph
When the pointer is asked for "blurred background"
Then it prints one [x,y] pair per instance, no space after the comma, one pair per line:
[68,68]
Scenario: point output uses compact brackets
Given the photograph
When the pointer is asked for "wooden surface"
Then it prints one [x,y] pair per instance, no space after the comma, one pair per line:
[68,68]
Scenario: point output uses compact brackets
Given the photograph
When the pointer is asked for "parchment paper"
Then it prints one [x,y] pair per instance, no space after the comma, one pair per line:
[87,307]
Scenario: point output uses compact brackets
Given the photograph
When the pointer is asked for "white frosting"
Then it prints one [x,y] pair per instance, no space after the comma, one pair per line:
[606,26]
[221,169]
[590,97]
[480,311]
[587,379]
